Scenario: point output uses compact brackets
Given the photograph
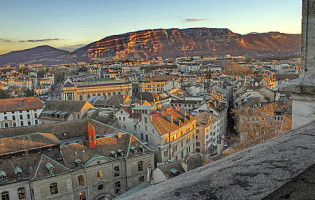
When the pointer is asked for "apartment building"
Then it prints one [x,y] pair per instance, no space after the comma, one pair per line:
[17,112]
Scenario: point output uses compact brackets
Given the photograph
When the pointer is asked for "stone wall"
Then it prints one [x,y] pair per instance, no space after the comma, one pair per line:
[262,171]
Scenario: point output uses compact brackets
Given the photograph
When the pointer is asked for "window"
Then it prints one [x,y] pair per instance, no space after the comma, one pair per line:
[124,118]
[28,116]
[117,187]
[22,123]
[99,175]
[140,166]
[145,120]
[5,196]
[36,121]
[146,128]
[82,195]
[5,117]
[198,144]
[116,171]
[100,187]
[141,136]
[21,116]
[13,117]
[146,138]
[124,126]
[141,179]
[119,118]
[81,180]
[21,193]
[53,188]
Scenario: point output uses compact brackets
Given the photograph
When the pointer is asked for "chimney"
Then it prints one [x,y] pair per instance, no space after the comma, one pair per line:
[169,118]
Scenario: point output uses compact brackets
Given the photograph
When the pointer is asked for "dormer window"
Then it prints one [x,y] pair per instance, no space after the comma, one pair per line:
[3,176]
[134,150]
[18,172]
[50,168]
[77,161]
[113,154]
[142,148]
[120,152]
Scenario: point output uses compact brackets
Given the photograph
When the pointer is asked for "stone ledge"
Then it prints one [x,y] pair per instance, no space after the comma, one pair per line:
[302,85]
[254,173]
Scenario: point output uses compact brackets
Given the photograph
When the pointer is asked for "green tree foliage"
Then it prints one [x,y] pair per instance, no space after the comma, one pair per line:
[82,69]
[4,94]
[41,73]
[29,93]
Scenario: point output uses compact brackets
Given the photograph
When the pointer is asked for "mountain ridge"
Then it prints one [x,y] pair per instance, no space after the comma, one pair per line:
[164,43]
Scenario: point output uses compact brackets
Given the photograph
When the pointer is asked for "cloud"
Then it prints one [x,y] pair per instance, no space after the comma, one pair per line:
[4,40]
[195,19]
[41,40]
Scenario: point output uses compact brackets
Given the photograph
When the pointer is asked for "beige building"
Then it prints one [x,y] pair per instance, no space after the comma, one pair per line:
[169,131]
[156,84]
[65,165]
[104,88]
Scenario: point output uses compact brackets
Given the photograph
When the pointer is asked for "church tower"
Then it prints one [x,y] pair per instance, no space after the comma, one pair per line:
[89,138]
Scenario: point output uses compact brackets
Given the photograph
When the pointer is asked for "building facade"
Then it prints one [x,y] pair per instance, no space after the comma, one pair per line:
[104,88]
[18,112]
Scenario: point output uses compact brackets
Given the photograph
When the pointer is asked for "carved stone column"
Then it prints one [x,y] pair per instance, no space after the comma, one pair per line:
[303,88]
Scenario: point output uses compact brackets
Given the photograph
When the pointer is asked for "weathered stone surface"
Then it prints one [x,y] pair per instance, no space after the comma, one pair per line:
[254,173]
[300,187]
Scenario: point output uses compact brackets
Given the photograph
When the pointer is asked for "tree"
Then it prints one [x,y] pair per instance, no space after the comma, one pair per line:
[41,73]
[259,124]
[4,94]
[82,69]
[29,93]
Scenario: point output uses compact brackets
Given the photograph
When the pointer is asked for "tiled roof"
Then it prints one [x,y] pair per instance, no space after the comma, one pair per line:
[26,142]
[116,100]
[17,104]
[65,106]
[286,76]
[60,130]
[148,96]
[164,126]
[159,78]
[203,118]
[103,148]
[41,170]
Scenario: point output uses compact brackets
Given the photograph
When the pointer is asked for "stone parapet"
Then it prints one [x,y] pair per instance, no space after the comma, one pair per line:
[265,170]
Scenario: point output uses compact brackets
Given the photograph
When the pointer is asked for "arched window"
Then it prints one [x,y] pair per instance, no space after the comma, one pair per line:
[140,166]
[5,196]
[22,193]
[99,175]
[117,187]
[81,180]
[82,195]
[116,171]
[53,188]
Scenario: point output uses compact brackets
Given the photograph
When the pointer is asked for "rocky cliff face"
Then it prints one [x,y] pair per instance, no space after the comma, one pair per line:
[195,41]
[166,43]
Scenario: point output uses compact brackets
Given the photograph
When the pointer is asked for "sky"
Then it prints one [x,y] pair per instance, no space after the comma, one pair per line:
[70,24]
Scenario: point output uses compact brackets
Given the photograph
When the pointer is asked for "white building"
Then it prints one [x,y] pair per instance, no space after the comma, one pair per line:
[20,111]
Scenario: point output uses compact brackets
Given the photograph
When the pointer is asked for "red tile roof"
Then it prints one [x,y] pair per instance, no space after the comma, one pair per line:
[20,104]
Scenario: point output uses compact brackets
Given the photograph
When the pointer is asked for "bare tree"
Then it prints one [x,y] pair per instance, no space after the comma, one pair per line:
[259,124]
